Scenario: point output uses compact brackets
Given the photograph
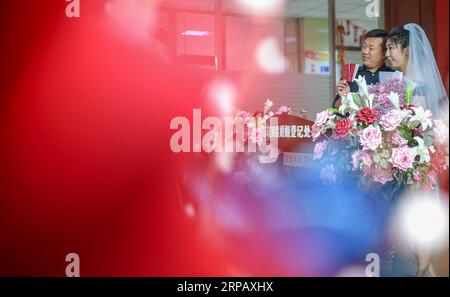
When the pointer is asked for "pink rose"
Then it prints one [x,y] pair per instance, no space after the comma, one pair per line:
[283,109]
[370,138]
[362,159]
[391,121]
[319,149]
[322,118]
[315,131]
[397,139]
[403,158]
[382,176]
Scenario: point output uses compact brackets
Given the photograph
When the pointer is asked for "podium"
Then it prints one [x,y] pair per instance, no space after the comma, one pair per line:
[294,140]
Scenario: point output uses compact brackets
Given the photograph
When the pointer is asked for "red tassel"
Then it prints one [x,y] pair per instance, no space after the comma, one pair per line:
[348,27]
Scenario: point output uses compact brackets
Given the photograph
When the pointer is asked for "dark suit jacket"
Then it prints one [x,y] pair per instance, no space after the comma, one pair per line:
[371,78]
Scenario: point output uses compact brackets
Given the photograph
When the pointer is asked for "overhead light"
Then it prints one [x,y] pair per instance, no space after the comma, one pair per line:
[196,33]
[261,6]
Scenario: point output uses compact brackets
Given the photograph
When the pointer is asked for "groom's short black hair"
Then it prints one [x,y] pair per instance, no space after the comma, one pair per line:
[378,33]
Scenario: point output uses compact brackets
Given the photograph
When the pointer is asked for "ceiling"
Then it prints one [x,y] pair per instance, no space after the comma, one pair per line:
[355,10]
[345,9]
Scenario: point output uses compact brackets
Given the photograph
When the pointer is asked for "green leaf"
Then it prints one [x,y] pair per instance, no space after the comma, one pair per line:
[408,93]
[428,140]
[376,158]
[385,153]
[406,134]
[413,143]
[409,180]
[398,176]
[333,110]
[356,99]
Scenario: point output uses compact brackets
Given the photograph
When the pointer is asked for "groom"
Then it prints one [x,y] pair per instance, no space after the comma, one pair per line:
[373,54]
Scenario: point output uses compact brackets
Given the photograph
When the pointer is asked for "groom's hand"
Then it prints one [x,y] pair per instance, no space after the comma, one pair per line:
[343,88]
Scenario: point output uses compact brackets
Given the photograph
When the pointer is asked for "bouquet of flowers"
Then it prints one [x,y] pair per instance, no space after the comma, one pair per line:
[380,134]
[256,124]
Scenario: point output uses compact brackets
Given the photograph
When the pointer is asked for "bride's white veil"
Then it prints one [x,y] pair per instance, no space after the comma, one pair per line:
[423,70]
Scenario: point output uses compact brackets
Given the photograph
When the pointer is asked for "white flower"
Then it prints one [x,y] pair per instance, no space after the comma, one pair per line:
[348,103]
[404,113]
[352,117]
[268,105]
[422,116]
[268,115]
[422,151]
[370,99]
[323,117]
[395,100]
[361,81]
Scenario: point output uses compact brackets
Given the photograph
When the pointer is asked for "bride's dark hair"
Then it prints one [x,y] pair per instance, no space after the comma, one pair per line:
[399,36]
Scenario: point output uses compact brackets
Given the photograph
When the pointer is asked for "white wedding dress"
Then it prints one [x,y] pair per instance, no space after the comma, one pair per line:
[429,92]
[424,72]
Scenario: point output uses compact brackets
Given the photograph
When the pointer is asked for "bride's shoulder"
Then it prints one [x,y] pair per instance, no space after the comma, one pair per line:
[416,85]
[408,81]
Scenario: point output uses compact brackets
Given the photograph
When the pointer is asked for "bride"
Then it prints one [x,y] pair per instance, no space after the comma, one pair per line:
[408,50]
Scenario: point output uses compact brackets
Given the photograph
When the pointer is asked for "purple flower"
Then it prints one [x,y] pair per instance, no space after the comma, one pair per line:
[381,91]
